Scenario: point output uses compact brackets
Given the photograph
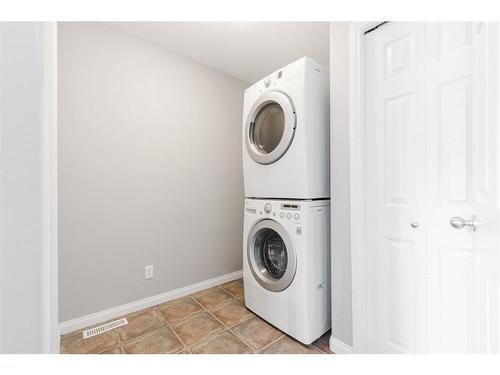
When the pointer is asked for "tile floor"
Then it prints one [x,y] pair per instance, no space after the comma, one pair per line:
[212,321]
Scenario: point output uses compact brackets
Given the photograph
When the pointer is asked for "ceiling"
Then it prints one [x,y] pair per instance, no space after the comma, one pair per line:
[245,50]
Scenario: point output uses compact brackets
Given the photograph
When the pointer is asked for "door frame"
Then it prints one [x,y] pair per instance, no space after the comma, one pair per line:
[47,32]
[357,157]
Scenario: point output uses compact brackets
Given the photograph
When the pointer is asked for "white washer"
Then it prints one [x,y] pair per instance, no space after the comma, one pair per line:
[286,134]
[286,266]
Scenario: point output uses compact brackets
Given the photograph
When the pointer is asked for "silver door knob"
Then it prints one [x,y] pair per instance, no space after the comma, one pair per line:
[458,222]
[414,224]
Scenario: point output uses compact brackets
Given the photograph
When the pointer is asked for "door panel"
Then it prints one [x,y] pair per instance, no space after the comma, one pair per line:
[396,197]
[398,111]
[400,257]
[453,140]
[452,148]
[486,44]
[456,290]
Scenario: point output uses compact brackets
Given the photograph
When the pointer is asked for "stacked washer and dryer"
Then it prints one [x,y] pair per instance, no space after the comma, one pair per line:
[286,237]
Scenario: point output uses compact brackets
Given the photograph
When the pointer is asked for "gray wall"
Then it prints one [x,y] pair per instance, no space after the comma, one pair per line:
[21,222]
[341,210]
[149,170]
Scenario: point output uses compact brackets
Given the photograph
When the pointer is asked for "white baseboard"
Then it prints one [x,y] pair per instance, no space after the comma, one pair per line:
[115,312]
[339,347]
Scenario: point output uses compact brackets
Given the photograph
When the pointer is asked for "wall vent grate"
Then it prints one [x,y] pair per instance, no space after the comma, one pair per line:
[104,328]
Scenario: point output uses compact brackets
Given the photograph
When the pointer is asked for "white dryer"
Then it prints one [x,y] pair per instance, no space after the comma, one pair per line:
[286,134]
[286,265]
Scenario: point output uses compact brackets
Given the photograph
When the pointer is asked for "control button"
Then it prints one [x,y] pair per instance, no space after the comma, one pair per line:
[268,207]
[296,216]
[282,215]
[289,216]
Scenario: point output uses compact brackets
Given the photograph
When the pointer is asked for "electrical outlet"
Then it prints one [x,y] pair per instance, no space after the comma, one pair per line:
[149,272]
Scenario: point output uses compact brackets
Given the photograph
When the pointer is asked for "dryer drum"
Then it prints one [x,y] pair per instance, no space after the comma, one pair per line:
[268,128]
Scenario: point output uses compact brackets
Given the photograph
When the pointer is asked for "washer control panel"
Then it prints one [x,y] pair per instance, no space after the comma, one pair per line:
[290,206]
[290,211]
[285,211]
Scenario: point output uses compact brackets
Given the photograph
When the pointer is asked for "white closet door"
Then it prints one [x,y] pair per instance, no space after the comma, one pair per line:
[395,186]
[462,166]
[432,158]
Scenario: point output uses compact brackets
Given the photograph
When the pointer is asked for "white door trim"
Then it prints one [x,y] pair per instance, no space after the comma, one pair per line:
[50,304]
[357,180]
[339,347]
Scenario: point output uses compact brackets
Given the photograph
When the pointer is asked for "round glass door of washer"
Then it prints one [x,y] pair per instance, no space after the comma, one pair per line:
[270,127]
[271,255]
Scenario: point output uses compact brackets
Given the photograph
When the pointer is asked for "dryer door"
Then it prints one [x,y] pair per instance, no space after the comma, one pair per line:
[270,127]
[271,255]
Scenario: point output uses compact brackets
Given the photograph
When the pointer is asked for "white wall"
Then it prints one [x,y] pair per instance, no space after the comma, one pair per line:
[28,291]
[341,210]
[149,170]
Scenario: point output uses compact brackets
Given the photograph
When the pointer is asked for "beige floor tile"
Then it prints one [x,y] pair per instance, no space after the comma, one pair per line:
[222,343]
[157,342]
[197,328]
[286,345]
[179,309]
[214,298]
[76,344]
[140,323]
[204,291]
[232,313]
[235,288]
[323,343]
[257,332]
[115,350]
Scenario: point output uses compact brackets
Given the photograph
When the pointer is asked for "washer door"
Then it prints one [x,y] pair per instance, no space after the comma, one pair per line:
[270,127]
[271,255]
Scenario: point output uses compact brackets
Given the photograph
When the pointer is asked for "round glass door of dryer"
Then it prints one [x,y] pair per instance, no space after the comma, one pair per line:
[271,255]
[270,127]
